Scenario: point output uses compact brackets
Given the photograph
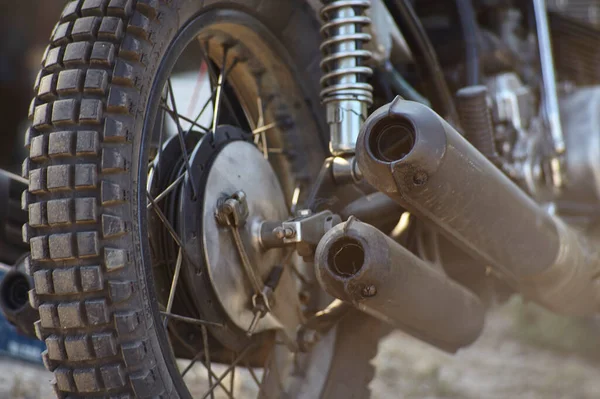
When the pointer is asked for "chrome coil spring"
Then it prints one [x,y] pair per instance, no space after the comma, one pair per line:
[344,53]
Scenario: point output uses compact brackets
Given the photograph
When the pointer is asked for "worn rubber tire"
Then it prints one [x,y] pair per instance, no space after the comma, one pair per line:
[87,116]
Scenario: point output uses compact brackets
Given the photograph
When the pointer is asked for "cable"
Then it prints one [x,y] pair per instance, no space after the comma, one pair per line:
[415,34]
[468,22]
[402,86]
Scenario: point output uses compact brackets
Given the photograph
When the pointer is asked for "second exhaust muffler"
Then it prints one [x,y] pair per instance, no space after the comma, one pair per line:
[359,264]
[411,154]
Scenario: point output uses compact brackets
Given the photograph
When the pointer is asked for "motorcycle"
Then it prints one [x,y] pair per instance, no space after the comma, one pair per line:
[270,186]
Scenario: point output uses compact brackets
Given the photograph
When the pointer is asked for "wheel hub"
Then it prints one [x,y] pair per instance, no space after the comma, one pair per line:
[222,164]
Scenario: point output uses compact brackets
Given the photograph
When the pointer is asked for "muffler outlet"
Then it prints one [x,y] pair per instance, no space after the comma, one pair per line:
[357,263]
[408,152]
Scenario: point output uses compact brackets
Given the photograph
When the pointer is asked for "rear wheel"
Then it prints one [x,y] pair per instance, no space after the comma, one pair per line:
[141,110]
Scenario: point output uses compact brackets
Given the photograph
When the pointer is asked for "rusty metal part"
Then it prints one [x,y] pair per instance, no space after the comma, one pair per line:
[359,264]
[411,154]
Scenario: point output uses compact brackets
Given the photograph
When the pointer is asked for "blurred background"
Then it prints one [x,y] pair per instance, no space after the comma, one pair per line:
[525,352]
[25,27]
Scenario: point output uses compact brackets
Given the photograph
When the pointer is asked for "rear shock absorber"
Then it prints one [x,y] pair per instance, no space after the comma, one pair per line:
[345,90]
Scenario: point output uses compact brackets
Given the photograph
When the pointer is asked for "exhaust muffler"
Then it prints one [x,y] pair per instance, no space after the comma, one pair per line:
[411,154]
[359,264]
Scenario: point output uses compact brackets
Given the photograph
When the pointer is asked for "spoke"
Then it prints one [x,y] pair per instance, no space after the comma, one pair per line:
[208,362]
[213,93]
[262,129]
[217,106]
[192,362]
[167,190]
[206,104]
[265,146]
[182,141]
[190,320]
[169,228]
[190,348]
[175,115]
[165,222]
[212,74]
[232,366]
[214,78]
[261,123]
[174,282]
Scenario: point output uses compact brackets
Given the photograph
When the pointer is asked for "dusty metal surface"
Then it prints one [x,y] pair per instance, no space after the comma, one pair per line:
[359,264]
[230,173]
[445,181]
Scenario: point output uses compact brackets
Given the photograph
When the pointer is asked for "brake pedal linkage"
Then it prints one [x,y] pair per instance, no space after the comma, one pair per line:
[233,212]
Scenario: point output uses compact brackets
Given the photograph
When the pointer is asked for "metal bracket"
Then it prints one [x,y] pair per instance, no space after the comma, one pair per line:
[304,232]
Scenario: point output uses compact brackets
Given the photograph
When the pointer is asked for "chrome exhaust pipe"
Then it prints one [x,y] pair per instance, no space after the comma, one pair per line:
[359,264]
[408,152]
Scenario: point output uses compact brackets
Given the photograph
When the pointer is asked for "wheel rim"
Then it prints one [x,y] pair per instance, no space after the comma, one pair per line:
[164,99]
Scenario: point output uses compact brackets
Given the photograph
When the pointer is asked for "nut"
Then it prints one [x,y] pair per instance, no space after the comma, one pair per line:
[279,232]
[289,232]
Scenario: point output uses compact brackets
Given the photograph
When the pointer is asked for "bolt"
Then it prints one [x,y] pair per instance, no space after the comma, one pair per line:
[420,178]
[284,232]
[289,232]
[240,197]
[279,232]
[369,291]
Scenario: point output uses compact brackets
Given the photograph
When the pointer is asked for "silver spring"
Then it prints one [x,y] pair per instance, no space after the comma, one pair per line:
[344,54]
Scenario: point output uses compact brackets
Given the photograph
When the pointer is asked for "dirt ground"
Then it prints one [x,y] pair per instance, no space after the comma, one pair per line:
[524,353]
